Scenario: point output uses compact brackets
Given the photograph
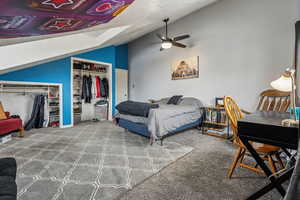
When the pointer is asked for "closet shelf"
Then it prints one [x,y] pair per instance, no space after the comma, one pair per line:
[23,92]
[24,87]
[82,71]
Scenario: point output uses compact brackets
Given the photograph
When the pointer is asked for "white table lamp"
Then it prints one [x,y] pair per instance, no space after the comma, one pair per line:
[286,83]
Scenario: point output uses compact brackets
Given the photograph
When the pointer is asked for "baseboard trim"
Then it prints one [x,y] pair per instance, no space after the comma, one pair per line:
[67,126]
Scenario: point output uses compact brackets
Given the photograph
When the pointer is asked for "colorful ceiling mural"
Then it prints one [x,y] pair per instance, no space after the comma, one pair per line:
[21,18]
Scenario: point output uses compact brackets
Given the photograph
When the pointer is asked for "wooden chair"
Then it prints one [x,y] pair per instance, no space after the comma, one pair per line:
[234,113]
[274,100]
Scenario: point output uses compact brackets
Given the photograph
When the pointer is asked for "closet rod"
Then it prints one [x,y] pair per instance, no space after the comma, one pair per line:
[88,72]
[23,92]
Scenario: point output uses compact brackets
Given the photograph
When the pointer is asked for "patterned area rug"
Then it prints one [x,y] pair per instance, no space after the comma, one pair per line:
[90,161]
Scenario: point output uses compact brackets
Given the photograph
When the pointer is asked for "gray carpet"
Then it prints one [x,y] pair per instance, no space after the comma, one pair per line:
[90,161]
[201,174]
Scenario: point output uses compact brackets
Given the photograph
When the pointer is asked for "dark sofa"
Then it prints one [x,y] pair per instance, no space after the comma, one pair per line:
[11,124]
[8,186]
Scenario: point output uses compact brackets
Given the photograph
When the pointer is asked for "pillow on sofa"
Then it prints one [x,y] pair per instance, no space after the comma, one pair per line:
[175,99]
[2,113]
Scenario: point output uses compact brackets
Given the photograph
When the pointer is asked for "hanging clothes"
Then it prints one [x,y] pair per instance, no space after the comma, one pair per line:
[94,87]
[40,120]
[102,89]
[46,113]
[98,86]
[104,82]
[87,88]
[37,116]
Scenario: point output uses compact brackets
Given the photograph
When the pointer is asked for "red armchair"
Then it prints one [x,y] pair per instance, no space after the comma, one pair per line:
[11,124]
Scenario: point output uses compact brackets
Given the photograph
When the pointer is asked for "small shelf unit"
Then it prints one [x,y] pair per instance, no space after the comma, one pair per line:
[215,122]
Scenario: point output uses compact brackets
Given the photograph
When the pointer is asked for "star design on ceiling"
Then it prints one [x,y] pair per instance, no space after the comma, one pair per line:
[43,17]
[61,24]
[58,3]
[103,7]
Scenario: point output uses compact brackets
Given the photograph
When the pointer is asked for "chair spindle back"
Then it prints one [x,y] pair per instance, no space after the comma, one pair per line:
[274,100]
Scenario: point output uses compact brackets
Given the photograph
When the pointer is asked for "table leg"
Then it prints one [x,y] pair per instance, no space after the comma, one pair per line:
[264,167]
[21,132]
[286,176]
[288,154]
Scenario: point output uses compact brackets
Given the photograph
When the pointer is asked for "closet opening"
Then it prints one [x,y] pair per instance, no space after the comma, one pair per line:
[91,90]
[39,105]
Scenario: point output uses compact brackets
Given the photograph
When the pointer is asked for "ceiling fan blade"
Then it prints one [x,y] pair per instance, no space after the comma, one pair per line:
[160,37]
[182,37]
[177,44]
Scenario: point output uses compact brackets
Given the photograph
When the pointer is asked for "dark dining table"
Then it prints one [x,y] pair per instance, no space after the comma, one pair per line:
[265,127]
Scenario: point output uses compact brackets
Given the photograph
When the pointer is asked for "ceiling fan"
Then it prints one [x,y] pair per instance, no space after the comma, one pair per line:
[168,42]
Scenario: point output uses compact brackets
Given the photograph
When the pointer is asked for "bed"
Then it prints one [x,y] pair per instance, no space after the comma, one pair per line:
[165,120]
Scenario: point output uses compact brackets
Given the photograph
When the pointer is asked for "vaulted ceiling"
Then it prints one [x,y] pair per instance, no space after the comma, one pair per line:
[119,21]
[30,19]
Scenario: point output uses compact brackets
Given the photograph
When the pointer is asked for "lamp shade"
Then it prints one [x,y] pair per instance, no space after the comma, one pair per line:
[284,84]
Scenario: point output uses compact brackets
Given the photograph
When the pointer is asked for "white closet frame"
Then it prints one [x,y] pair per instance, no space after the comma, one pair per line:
[61,117]
[109,71]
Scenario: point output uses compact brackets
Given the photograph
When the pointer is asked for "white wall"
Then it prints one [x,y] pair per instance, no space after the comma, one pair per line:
[242,44]
[18,104]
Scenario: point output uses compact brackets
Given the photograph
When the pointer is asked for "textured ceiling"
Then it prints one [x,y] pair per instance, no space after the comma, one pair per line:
[142,16]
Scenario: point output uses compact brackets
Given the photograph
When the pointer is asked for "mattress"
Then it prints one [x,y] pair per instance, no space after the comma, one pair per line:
[135,119]
[168,118]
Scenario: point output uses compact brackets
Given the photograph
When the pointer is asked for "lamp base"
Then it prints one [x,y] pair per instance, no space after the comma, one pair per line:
[290,123]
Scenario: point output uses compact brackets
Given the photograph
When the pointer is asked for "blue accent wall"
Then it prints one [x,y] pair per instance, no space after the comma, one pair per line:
[122,56]
[59,71]
[53,72]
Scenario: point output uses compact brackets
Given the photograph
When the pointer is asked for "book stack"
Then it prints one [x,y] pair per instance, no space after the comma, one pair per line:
[216,116]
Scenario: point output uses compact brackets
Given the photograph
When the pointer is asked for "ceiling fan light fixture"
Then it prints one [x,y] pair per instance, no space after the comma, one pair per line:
[166,45]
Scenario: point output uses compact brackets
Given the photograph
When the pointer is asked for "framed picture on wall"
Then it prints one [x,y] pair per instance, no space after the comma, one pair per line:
[185,68]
